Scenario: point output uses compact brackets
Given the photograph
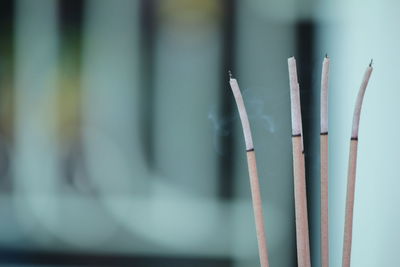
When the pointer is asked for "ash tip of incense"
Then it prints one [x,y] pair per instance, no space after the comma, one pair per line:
[292,62]
[326,55]
[372,61]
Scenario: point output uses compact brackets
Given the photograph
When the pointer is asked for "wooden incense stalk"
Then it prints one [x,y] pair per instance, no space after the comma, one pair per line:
[300,196]
[324,163]
[351,175]
[253,174]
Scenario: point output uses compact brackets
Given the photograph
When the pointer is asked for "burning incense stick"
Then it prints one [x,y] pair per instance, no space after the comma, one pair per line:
[253,175]
[302,238]
[351,175]
[324,163]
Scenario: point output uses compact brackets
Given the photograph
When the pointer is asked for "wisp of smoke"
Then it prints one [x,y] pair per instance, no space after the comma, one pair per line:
[222,125]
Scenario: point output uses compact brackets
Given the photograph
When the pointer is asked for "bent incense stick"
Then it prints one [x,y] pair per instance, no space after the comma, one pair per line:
[351,175]
[253,174]
[324,163]
[300,196]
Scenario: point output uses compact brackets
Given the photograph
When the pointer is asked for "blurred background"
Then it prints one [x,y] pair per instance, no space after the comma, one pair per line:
[121,145]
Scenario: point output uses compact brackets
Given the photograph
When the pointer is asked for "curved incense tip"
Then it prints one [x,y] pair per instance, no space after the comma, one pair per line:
[360,97]
[230,74]
[242,113]
[370,63]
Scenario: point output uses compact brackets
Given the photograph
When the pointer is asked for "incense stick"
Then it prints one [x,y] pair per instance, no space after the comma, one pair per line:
[302,235]
[253,174]
[324,163]
[351,178]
